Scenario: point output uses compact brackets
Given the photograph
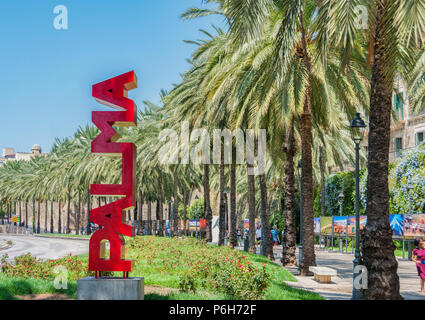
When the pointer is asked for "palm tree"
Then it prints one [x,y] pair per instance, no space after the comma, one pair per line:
[396,34]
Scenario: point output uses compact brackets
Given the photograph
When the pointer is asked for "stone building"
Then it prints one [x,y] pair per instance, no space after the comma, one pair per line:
[10,155]
[408,130]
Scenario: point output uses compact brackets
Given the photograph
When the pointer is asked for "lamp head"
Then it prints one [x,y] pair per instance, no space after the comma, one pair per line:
[358,128]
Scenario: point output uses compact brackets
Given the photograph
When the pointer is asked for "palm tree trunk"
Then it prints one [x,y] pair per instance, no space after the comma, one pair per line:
[289,237]
[185,199]
[26,214]
[33,216]
[266,248]
[207,206]
[77,215]
[88,212]
[139,216]
[20,213]
[149,218]
[38,217]
[251,208]
[308,256]
[160,207]
[68,214]
[377,246]
[233,215]
[176,203]
[51,216]
[322,183]
[158,218]
[222,206]
[60,217]
[45,217]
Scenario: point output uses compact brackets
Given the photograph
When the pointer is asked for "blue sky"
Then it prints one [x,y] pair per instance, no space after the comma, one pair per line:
[46,74]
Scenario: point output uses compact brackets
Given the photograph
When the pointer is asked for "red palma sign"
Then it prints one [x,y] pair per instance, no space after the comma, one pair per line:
[113,93]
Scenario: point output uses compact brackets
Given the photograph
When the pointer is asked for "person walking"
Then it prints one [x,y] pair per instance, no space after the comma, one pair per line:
[275,236]
[258,234]
[418,257]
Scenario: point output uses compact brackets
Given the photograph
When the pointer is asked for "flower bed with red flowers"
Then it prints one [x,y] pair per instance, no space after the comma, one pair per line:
[27,266]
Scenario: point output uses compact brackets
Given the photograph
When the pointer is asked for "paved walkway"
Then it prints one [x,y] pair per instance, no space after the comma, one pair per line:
[341,287]
[43,248]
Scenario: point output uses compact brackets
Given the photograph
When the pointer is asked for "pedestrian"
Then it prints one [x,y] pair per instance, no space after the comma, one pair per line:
[258,233]
[238,232]
[419,258]
[275,236]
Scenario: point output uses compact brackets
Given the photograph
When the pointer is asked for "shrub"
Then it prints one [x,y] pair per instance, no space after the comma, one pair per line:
[27,266]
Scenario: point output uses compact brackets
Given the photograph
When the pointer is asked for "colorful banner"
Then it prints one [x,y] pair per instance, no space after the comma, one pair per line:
[193,225]
[397,224]
[414,225]
[352,224]
[326,226]
[340,225]
[246,223]
[317,226]
[203,224]
[15,219]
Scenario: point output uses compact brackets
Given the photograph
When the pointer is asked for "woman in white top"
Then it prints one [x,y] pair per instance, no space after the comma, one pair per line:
[258,234]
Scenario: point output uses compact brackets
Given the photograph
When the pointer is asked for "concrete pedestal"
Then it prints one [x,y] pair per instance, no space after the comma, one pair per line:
[90,288]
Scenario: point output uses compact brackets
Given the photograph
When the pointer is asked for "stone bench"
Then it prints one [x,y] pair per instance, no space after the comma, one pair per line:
[323,274]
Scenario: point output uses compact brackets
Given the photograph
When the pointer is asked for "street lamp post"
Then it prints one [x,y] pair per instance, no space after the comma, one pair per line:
[358,127]
[340,202]
[300,248]
[226,218]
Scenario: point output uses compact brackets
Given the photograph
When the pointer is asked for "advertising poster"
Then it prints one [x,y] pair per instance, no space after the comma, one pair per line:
[363,221]
[397,224]
[352,224]
[414,225]
[317,226]
[203,224]
[326,226]
[193,225]
[340,225]
[246,223]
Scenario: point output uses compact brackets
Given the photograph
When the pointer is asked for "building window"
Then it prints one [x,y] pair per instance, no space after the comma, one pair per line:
[398,147]
[419,138]
[399,105]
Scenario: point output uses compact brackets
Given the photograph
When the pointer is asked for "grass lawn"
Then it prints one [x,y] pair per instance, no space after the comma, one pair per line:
[11,287]
[165,262]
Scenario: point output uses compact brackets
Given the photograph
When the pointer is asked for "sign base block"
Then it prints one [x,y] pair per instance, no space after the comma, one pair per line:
[110,288]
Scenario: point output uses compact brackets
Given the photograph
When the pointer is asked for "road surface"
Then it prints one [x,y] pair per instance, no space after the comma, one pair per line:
[43,248]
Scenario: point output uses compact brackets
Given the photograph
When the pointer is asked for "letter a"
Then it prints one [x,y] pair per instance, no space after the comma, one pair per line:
[61,20]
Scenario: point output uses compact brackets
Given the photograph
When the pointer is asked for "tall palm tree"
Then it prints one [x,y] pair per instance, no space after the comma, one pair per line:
[393,39]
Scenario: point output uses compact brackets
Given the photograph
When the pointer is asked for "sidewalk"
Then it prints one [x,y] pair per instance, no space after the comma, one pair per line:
[341,287]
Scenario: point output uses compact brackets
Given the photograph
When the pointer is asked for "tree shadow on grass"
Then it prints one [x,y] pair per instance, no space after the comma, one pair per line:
[154,296]
[295,293]
[15,288]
